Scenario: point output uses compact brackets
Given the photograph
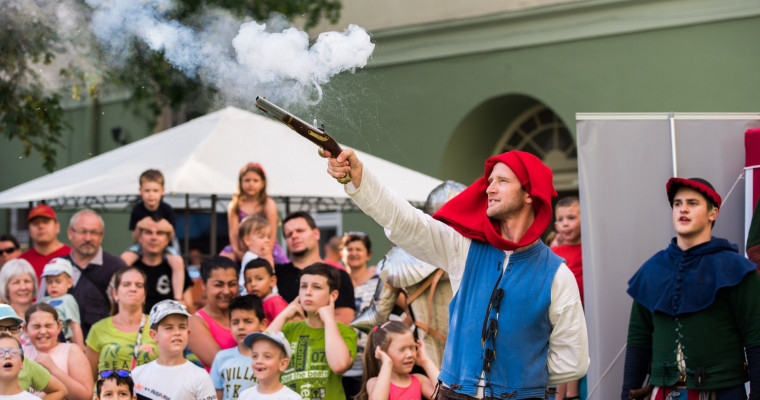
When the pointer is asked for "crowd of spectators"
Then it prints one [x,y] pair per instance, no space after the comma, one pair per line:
[253,286]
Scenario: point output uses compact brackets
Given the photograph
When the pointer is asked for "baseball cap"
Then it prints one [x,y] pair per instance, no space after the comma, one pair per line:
[57,266]
[7,312]
[277,337]
[164,308]
[42,210]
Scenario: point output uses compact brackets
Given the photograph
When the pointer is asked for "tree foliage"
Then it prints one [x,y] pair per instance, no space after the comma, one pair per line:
[156,84]
[32,114]
[28,112]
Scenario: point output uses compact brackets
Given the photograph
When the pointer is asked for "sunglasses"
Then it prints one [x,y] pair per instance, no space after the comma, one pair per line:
[14,329]
[9,250]
[118,372]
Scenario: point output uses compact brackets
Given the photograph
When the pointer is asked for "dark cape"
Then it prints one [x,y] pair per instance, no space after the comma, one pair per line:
[676,282]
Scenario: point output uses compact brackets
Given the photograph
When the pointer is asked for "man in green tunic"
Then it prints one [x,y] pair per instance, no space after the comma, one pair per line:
[696,309]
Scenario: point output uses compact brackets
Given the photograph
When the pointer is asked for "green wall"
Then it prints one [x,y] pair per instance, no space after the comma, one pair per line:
[89,135]
[443,114]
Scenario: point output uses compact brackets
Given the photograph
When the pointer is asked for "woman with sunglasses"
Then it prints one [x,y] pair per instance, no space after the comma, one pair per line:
[18,288]
[65,361]
[122,341]
[9,248]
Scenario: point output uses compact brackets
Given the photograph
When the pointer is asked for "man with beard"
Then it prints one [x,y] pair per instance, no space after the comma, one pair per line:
[302,237]
[504,278]
[154,237]
[93,267]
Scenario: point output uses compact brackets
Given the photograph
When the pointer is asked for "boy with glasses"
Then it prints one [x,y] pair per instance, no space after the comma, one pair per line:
[11,360]
[32,375]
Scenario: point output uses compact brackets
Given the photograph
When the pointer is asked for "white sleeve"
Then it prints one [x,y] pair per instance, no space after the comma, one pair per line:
[247,257]
[204,389]
[568,343]
[411,229]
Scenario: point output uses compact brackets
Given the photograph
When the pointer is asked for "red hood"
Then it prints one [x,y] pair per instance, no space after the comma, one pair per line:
[467,212]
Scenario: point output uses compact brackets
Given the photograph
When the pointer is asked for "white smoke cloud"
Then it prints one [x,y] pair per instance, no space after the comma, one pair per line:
[261,59]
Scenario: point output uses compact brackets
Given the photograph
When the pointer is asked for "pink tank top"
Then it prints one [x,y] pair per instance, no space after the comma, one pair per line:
[411,392]
[59,354]
[221,335]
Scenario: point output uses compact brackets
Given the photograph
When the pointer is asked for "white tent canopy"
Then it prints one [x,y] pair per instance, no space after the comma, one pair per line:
[202,158]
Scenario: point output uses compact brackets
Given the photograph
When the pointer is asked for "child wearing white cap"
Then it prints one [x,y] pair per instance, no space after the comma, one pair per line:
[57,276]
[270,355]
[171,376]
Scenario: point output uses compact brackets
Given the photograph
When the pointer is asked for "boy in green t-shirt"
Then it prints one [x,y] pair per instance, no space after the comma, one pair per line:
[322,349]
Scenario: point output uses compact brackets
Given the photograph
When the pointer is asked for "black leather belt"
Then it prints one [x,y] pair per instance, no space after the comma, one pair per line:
[445,393]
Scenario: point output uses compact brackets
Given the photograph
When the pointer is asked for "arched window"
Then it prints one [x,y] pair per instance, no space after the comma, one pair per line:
[539,131]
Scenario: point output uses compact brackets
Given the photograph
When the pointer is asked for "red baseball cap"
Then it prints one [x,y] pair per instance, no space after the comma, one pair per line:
[42,210]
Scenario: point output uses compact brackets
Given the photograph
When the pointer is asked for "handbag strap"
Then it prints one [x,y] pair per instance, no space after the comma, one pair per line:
[138,340]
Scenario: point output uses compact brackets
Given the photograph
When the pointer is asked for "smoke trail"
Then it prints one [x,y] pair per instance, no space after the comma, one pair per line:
[261,58]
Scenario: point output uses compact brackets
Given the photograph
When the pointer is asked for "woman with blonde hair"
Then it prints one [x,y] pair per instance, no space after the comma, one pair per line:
[18,288]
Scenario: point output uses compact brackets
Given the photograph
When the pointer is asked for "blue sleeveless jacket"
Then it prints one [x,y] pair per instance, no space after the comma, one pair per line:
[519,344]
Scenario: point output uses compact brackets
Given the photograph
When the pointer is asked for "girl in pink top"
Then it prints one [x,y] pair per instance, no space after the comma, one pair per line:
[251,198]
[65,361]
[390,355]
[210,326]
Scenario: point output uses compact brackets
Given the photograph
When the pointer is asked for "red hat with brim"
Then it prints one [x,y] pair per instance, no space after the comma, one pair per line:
[702,186]
[42,210]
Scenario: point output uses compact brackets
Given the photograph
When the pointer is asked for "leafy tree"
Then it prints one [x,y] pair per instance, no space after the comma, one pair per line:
[34,116]
[156,84]
[28,112]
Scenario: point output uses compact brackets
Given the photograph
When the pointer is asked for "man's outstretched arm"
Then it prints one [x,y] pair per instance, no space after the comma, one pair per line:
[414,231]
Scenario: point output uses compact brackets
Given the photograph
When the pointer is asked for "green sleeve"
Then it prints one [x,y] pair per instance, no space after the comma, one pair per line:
[640,327]
[288,328]
[745,303]
[92,340]
[349,336]
[39,376]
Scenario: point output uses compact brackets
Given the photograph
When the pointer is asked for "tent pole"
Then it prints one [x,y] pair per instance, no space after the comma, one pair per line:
[213,224]
[672,120]
[187,227]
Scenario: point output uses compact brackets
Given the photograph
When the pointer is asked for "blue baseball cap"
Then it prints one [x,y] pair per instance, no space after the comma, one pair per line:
[7,312]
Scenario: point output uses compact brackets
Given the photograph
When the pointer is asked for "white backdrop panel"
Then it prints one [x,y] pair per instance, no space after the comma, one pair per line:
[624,161]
